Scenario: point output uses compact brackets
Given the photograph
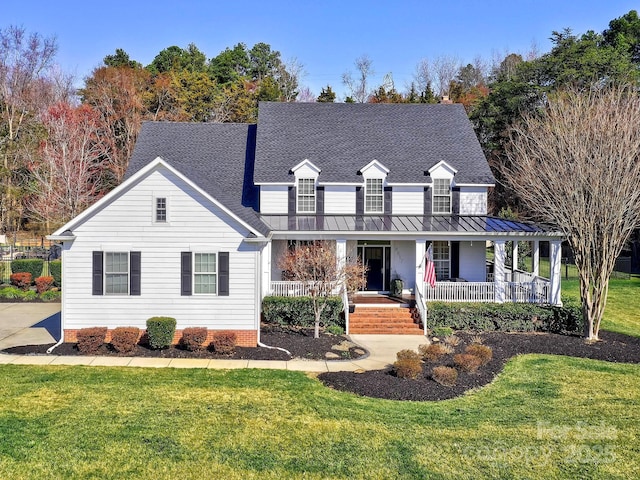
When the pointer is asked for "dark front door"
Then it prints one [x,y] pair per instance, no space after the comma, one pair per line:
[373,257]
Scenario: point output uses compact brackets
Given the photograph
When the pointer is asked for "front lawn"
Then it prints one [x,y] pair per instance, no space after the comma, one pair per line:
[544,417]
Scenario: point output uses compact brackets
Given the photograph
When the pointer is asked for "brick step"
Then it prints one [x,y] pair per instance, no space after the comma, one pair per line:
[376,320]
[382,331]
[382,315]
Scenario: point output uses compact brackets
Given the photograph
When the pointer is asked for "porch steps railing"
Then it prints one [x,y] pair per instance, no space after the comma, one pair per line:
[384,320]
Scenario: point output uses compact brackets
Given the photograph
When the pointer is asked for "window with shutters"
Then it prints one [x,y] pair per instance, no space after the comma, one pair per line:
[441,195]
[205,274]
[116,273]
[306,195]
[373,196]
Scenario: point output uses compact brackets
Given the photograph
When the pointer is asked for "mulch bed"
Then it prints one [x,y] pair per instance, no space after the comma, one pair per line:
[299,342]
[613,347]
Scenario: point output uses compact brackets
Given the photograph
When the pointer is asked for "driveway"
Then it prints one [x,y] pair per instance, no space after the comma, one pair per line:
[29,324]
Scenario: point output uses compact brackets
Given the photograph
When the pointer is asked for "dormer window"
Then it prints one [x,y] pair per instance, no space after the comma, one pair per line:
[441,195]
[373,196]
[306,195]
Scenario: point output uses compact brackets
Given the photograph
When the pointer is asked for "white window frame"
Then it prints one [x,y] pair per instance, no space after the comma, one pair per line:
[370,197]
[156,209]
[442,259]
[107,274]
[437,193]
[304,197]
[195,273]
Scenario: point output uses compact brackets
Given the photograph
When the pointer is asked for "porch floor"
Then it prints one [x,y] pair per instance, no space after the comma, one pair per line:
[381,299]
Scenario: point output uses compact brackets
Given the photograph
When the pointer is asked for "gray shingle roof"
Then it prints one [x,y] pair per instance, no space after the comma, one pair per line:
[216,157]
[342,138]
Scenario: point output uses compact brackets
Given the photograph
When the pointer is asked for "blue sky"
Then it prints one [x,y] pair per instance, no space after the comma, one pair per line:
[324,36]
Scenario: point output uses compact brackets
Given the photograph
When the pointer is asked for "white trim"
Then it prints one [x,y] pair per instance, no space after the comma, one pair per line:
[276,184]
[150,167]
[307,163]
[443,164]
[193,271]
[306,195]
[374,163]
[104,272]
[434,195]
[366,194]
[154,209]
[475,184]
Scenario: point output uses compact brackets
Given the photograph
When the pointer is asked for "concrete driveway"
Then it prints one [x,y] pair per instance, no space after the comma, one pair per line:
[29,324]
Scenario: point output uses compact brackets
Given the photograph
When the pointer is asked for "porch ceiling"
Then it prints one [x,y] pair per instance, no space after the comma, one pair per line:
[459,224]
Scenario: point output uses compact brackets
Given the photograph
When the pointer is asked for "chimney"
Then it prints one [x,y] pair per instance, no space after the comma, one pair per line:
[445,99]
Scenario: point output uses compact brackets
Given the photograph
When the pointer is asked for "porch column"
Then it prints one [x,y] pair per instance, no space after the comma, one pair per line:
[498,270]
[421,249]
[341,253]
[265,269]
[555,259]
[536,258]
[514,258]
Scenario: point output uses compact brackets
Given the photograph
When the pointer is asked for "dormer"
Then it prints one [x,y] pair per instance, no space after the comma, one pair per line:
[375,176]
[442,176]
[306,182]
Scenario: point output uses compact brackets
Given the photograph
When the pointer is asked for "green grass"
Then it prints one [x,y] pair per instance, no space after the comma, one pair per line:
[622,313]
[544,417]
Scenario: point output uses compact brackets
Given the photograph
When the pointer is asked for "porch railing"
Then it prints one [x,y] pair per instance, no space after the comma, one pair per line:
[527,292]
[290,289]
[517,292]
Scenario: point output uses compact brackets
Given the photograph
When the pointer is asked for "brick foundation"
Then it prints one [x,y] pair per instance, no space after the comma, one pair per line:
[245,338]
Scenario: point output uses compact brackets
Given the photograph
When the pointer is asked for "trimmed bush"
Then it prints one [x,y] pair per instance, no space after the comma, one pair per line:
[442,331]
[335,329]
[125,339]
[55,270]
[446,376]
[160,331]
[43,284]
[91,339]
[224,342]
[50,296]
[484,353]
[21,280]
[29,296]
[408,364]
[433,352]
[11,293]
[193,338]
[507,317]
[298,311]
[467,362]
[29,265]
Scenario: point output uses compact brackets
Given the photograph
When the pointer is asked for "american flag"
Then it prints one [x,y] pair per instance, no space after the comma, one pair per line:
[430,267]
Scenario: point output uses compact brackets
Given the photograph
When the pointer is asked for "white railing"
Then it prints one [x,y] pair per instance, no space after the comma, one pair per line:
[460,292]
[290,289]
[345,306]
[527,292]
[422,309]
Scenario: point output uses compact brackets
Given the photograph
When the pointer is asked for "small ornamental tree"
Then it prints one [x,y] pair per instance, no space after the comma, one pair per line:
[322,273]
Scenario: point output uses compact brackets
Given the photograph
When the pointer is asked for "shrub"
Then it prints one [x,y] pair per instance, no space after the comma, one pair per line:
[91,339]
[160,331]
[43,284]
[484,353]
[446,376]
[29,265]
[408,364]
[298,311]
[11,293]
[29,296]
[5,271]
[21,280]
[507,317]
[55,270]
[224,342]
[125,339]
[442,332]
[193,338]
[452,340]
[477,339]
[433,352]
[50,296]
[467,362]
[335,329]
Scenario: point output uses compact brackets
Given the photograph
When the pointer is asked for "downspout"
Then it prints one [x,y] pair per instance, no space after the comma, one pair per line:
[62,303]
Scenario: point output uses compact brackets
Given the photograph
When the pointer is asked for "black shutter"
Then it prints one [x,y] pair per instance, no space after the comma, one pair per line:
[134,273]
[455,259]
[320,200]
[359,200]
[98,271]
[455,200]
[427,201]
[292,200]
[387,201]
[223,274]
[185,273]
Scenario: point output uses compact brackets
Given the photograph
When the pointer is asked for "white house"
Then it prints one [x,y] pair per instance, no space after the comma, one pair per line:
[196,229]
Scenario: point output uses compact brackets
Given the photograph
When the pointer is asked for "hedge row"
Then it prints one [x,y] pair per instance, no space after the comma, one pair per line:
[30,265]
[298,311]
[506,317]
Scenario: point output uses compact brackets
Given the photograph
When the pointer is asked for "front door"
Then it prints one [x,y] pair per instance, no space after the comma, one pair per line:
[377,259]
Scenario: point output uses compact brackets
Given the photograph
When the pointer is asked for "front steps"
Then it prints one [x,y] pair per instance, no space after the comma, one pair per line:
[389,320]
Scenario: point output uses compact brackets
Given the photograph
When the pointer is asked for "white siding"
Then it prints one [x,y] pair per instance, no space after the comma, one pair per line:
[339,200]
[195,224]
[473,261]
[473,200]
[407,200]
[403,254]
[274,199]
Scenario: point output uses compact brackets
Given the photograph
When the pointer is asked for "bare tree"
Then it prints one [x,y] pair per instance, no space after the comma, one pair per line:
[317,267]
[445,68]
[359,88]
[288,77]
[576,165]
[423,76]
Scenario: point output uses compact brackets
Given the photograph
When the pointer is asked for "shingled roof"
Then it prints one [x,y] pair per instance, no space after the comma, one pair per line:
[216,157]
[340,139]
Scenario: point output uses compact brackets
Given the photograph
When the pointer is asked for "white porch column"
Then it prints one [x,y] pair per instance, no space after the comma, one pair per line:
[421,249]
[514,258]
[536,258]
[555,259]
[499,252]
[265,269]
[341,253]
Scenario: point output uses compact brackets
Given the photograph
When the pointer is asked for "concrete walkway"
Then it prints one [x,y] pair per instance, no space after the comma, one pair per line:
[16,328]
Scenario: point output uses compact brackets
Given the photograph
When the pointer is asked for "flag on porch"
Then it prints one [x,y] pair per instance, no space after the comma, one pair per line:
[430,267]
